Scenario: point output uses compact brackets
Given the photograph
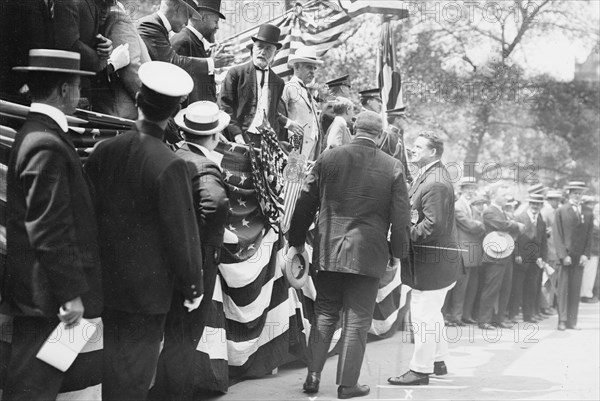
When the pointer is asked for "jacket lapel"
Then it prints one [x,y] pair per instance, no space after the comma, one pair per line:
[422,178]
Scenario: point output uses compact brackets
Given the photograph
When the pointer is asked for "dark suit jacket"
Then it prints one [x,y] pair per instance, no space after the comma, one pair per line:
[156,37]
[392,143]
[239,100]
[52,249]
[359,192]
[470,233]
[24,25]
[185,43]
[572,236]
[533,242]
[148,233]
[434,247]
[496,220]
[77,22]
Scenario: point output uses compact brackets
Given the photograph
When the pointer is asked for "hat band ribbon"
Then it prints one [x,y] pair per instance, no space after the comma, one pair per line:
[53,62]
[200,126]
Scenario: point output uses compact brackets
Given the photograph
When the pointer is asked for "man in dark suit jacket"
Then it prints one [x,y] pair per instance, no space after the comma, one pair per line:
[175,378]
[149,241]
[435,258]
[572,232]
[495,219]
[359,192]
[531,254]
[53,269]
[250,90]
[197,40]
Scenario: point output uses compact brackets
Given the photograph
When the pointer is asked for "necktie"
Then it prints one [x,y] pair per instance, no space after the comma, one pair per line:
[262,76]
[50,4]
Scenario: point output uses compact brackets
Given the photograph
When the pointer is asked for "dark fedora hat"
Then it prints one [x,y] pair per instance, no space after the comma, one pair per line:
[341,81]
[210,5]
[269,34]
[370,94]
[51,60]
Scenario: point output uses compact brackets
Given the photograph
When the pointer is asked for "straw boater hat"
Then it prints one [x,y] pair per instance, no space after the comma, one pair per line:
[304,54]
[202,118]
[536,188]
[210,5]
[535,198]
[467,181]
[296,267]
[576,185]
[498,245]
[554,194]
[51,60]
[269,34]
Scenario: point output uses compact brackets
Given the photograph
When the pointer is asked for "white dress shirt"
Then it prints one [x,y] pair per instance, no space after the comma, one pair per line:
[262,103]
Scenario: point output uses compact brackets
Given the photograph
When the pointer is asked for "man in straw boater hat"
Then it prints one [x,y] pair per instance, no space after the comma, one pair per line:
[434,258]
[300,105]
[353,251]
[252,90]
[572,232]
[531,254]
[149,241]
[52,270]
[202,123]
[197,39]
[470,233]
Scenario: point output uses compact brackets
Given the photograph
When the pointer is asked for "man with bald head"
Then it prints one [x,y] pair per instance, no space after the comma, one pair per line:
[359,192]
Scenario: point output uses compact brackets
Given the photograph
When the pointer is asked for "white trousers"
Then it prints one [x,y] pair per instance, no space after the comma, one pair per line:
[431,344]
[589,277]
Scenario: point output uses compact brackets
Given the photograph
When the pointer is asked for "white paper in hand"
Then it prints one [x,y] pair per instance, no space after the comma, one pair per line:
[64,344]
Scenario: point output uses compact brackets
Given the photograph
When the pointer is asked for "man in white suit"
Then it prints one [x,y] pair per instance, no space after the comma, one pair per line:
[300,105]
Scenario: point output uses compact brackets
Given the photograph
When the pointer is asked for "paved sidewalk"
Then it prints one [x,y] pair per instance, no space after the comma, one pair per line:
[533,362]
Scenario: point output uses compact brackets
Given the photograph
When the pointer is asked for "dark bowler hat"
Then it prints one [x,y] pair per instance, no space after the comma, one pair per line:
[341,81]
[164,84]
[269,34]
[51,60]
[210,5]
[370,94]
[399,112]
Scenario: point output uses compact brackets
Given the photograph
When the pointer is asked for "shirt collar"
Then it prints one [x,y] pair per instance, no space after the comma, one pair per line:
[52,112]
[212,156]
[424,169]
[165,21]
[205,42]
[532,216]
[365,138]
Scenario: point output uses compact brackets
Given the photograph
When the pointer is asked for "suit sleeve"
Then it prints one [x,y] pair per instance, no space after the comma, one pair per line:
[123,31]
[588,238]
[544,244]
[160,49]
[435,201]
[179,228]
[558,231]
[212,206]
[493,222]
[50,223]
[306,207]
[400,215]
[66,23]
[466,223]
[229,103]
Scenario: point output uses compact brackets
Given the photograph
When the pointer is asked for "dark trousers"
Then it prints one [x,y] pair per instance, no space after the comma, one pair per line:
[569,292]
[472,294]
[355,295]
[175,375]
[28,378]
[131,347]
[490,291]
[524,291]
[456,297]
[505,291]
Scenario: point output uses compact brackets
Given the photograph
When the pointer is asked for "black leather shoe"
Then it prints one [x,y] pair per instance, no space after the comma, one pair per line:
[573,327]
[562,326]
[440,369]
[469,321]
[486,326]
[358,390]
[410,378]
[502,325]
[311,385]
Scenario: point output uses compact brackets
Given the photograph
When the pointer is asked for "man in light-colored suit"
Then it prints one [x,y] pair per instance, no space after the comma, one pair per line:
[470,234]
[300,105]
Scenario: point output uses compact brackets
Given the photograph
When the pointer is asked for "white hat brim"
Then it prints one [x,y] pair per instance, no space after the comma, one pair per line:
[294,60]
[224,120]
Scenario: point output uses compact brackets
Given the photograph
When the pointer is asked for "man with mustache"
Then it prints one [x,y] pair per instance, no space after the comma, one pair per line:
[252,90]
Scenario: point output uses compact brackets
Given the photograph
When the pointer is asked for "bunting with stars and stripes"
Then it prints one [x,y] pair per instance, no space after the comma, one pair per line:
[320,24]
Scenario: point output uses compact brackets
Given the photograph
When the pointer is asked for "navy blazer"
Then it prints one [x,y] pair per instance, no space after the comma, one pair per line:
[435,252]
[572,234]
[239,100]
[532,243]
[148,234]
[52,249]
[185,43]
[359,191]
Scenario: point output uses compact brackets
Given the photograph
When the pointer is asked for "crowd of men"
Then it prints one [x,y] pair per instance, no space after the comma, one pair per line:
[135,235]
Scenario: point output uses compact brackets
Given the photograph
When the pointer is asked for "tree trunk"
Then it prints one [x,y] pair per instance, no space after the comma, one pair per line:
[476,140]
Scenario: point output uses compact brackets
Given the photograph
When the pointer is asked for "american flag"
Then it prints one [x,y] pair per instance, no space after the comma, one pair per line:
[319,24]
[389,78]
